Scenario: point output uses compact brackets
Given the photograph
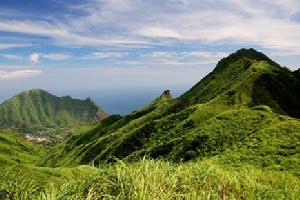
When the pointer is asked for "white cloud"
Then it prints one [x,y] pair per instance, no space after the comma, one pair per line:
[105,55]
[181,2]
[183,57]
[131,23]
[290,7]
[34,58]
[12,45]
[65,34]
[33,27]
[18,74]
[12,56]
[204,54]
[159,32]
[263,23]
[56,56]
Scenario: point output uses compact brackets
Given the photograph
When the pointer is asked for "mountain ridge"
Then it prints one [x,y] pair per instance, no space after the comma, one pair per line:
[218,118]
[249,69]
[38,108]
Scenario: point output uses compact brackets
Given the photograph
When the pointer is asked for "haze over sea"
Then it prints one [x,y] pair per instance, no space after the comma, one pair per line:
[114,101]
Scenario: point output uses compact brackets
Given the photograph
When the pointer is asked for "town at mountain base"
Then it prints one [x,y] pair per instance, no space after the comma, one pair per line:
[44,118]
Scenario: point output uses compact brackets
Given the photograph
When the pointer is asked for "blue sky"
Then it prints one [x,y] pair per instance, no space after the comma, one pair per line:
[81,45]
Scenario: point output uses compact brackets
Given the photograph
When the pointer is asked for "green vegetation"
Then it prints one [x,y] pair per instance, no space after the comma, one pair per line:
[234,135]
[14,150]
[224,115]
[45,118]
[37,109]
[148,179]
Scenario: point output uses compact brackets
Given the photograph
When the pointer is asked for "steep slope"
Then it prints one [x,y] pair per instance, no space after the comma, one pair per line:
[233,115]
[249,78]
[228,73]
[14,150]
[39,109]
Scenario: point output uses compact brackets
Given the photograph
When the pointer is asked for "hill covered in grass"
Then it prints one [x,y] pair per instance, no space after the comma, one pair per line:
[249,78]
[245,112]
[150,179]
[15,150]
[234,135]
[38,109]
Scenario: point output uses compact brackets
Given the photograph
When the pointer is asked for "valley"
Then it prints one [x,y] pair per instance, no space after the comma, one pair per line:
[46,118]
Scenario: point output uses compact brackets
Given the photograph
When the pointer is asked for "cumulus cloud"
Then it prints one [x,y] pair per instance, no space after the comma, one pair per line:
[17,74]
[34,58]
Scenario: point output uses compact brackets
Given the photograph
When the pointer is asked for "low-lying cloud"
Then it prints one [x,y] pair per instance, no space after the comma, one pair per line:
[36,57]
[18,74]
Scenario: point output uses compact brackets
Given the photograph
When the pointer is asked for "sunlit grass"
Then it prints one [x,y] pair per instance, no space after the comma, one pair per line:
[150,179]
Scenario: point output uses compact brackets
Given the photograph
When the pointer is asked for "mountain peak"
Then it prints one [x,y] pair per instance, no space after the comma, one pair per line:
[248,55]
[166,95]
[249,78]
[38,108]
[249,52]
[237,102]
[36,91]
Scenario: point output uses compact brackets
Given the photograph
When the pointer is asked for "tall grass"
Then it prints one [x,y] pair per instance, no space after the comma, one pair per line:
[149,179]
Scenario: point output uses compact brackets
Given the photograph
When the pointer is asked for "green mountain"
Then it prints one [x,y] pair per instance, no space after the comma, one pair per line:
[38,109]
[249,78]
[245,111]
[234,135]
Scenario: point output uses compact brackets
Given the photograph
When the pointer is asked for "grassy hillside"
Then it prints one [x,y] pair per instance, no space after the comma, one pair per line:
[234,135]
[14,150]
[37,109]
[149,179]
[249,78]
[233,113]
